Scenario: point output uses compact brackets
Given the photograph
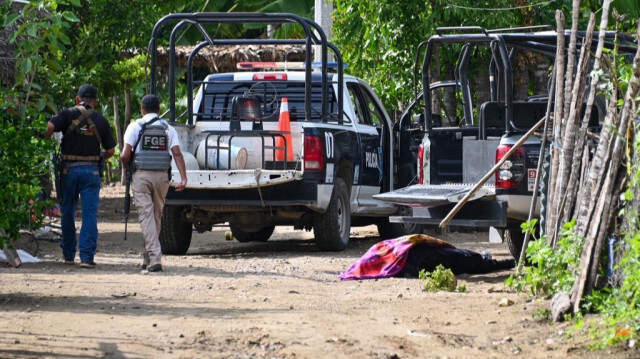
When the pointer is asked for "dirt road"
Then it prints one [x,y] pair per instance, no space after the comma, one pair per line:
[280,299]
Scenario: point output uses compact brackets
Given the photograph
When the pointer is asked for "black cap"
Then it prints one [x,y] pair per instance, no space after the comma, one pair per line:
[87,91]
[150,103]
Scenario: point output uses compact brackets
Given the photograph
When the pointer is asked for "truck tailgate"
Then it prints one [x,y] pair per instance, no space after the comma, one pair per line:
[420,195]
[432,203]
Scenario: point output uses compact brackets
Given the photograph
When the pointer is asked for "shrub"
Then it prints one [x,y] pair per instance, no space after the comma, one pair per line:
[23,153]
[440,279]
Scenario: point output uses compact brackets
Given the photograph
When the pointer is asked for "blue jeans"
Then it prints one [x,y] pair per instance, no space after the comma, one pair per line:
[83,181]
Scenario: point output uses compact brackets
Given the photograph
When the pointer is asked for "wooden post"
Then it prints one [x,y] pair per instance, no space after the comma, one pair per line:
[534,197]
[558,116]
[597,226]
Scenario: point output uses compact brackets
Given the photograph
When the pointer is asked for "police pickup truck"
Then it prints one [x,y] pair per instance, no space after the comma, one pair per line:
[472,119]
[280,144]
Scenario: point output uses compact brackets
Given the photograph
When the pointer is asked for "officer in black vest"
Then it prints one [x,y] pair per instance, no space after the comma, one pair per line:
[84,130]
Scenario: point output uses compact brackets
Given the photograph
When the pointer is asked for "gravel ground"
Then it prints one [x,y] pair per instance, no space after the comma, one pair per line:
[280,299]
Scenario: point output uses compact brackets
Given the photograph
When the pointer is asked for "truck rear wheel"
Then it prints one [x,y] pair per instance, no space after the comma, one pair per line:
[331,228]
[261,235]
[515,238]
[175,233]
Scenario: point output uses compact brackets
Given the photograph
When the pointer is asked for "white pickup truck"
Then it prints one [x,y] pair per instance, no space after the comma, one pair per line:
[250,167]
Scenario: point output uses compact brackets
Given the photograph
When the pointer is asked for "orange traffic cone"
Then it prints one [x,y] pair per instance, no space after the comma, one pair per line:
[284,125]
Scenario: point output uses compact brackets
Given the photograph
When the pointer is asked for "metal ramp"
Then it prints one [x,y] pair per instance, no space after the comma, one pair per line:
[433,195]
[432,203]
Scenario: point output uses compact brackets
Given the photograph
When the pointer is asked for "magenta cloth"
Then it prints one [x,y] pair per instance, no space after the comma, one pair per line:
[387,258]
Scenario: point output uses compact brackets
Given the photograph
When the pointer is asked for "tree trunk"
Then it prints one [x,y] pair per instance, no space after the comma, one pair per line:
[483,91]
[554,155]
[604,22]
[601,209]
[569,136]
[571,55]
[127,120]
[451,101]
[573,166]
[127,107]
[116,119]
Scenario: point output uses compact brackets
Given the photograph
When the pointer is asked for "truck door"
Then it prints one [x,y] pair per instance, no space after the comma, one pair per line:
[369,128]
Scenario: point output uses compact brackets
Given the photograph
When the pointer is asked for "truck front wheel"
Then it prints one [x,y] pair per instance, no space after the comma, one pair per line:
[261,235]
[175,232]
[331,228]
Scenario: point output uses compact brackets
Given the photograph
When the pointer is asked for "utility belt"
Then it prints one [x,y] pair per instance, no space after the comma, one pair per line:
[144,170]
[80,163]
[81,158]
[69,161]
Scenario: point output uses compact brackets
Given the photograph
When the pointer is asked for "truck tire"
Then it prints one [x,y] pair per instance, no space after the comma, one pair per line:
[175,233]
[331,228]
[261,235]
[514,238]
[388,230]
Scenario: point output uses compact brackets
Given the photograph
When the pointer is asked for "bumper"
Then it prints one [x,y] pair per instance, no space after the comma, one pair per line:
[294,193]
[518,206]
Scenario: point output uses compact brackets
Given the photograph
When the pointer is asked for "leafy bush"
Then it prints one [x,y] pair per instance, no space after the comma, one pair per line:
[440,279]
[23,165]
[550,270]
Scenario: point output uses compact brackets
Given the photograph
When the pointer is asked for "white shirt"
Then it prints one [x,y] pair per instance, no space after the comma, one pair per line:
[133,131]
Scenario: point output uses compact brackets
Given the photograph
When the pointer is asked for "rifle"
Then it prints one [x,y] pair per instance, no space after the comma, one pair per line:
[127,198]
[56,160]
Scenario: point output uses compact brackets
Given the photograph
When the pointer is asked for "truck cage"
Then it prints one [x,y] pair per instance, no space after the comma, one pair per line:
[502,44]
[314,35]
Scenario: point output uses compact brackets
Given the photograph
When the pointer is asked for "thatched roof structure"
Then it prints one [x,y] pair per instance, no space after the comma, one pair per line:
[224,58]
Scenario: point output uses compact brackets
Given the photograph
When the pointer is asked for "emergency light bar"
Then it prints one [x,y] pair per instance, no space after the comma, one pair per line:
[279,65]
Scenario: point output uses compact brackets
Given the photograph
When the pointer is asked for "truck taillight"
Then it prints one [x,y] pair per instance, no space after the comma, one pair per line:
[420,164]
[313,153]
[512,170]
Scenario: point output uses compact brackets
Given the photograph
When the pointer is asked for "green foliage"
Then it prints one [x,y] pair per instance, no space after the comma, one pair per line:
[41,39]
[302,8]
[549,270]
[23,164]
[542,314]
[440,279]
[130,71]
[379,39]
[38,32]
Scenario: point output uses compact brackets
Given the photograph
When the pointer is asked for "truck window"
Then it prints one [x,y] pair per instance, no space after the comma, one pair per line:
[373,109]
[357,106]
[218,98]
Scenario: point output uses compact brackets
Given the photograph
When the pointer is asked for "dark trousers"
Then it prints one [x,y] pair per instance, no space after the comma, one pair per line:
[423,256]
